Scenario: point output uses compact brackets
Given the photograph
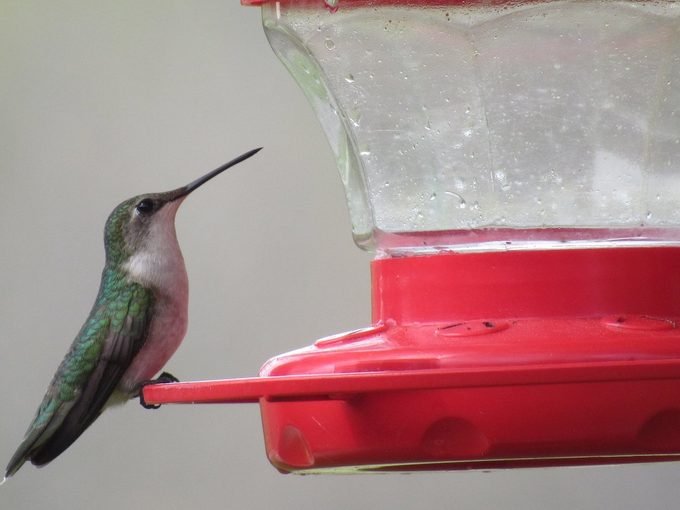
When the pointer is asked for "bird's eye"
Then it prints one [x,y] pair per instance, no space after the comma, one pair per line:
[145,206]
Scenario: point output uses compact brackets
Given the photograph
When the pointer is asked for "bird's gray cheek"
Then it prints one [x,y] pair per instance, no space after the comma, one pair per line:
[135,236]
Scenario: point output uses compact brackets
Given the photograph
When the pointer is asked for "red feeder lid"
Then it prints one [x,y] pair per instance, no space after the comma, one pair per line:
[479,360]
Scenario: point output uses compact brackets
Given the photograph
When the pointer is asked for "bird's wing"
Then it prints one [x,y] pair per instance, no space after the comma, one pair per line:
[115,331]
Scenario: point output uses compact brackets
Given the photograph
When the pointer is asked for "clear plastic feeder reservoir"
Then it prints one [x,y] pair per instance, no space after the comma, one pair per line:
[483,125]
[515,167]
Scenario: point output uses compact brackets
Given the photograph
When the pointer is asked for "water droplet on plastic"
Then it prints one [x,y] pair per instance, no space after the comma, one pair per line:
[349,78]
[330,45]
[462,204]
[648,215]
[354,117]
[433,197]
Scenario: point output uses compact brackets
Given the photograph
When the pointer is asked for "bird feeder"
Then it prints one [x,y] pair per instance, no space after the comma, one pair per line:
[515,168]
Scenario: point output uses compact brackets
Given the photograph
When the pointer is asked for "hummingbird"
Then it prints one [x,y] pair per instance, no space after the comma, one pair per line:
[138,320]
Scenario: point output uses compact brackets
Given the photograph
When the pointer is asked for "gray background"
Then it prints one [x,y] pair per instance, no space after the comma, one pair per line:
[103,100]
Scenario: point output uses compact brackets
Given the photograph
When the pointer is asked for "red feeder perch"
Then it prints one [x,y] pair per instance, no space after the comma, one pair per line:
[514,167]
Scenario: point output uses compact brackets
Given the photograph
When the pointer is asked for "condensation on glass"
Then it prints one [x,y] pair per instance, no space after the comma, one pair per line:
[482,126]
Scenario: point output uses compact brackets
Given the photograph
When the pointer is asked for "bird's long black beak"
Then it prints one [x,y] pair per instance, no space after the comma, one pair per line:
[184,191]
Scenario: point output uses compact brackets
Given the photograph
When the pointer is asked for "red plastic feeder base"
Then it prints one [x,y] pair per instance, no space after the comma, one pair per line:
[482,360]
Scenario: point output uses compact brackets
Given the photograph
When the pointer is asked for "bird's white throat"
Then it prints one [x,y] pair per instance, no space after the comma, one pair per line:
[159,263]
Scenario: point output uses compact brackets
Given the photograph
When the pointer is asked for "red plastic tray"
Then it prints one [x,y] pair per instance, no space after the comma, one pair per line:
[482,360]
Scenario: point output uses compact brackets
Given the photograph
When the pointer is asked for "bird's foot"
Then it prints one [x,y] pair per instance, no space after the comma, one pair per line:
[165,377]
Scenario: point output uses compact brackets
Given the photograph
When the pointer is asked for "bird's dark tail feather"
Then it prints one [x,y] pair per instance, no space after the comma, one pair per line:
[40,450]
[64,437]
[51,448]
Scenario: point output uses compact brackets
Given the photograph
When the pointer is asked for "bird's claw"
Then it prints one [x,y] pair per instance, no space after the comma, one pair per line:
[165,377]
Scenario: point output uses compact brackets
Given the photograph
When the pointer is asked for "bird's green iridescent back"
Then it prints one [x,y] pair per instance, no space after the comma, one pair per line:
[113,333]
[119,303]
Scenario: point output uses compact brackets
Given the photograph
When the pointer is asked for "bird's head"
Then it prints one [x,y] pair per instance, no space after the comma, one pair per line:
[146,223]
